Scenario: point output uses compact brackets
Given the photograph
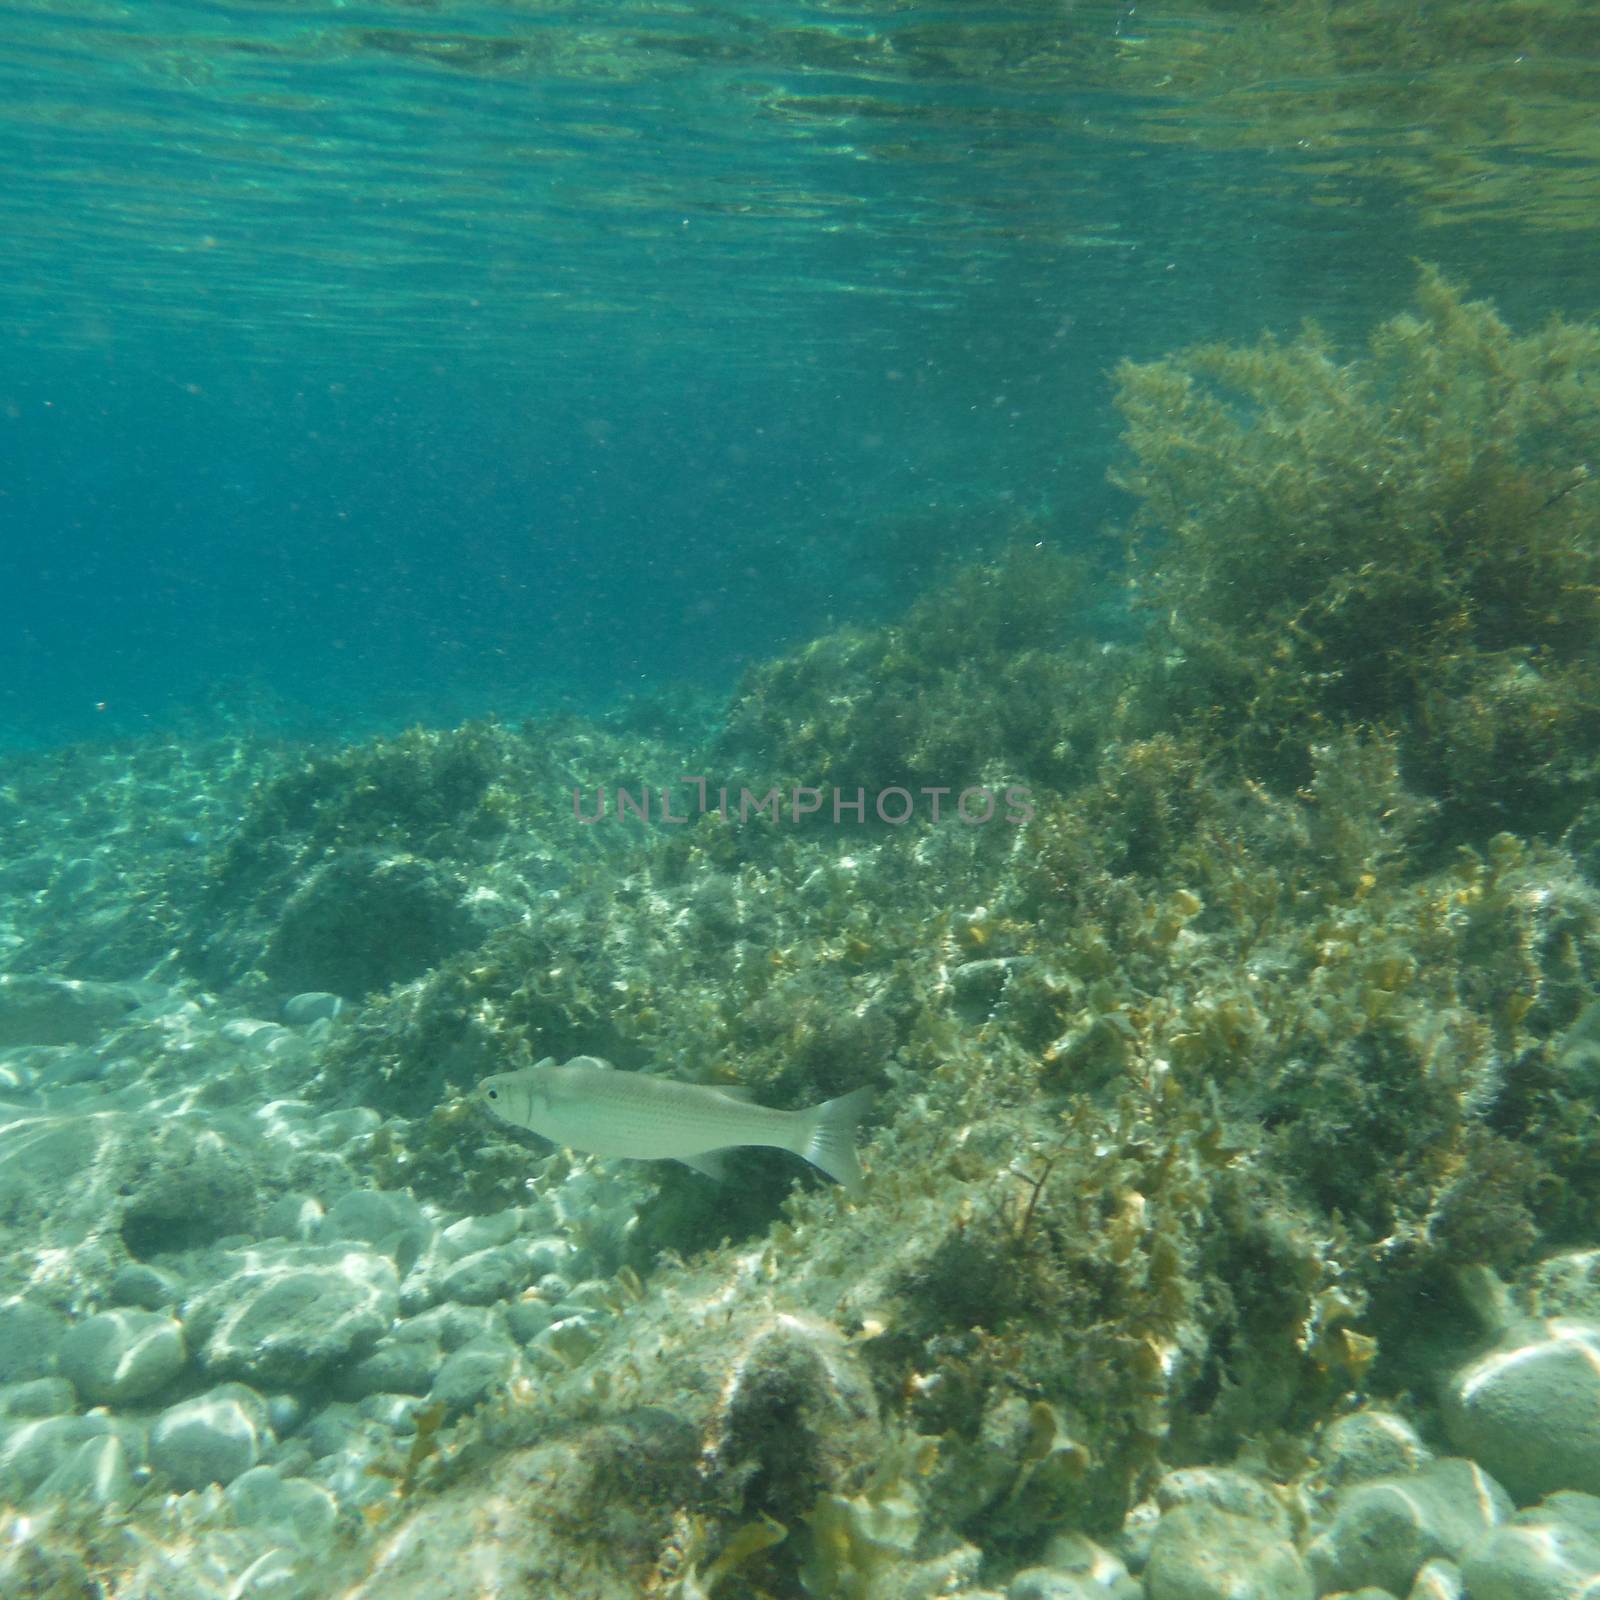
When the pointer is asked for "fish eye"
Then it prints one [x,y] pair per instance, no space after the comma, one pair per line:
[494,1094]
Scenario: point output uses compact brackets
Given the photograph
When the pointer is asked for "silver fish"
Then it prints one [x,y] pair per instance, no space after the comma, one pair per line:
[591,1105]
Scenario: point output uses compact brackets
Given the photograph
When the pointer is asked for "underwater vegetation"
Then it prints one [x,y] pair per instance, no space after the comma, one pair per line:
[1220,1101]
[1401,541]
[948,694]
[1257,1037]
[355,869]
[1404,540]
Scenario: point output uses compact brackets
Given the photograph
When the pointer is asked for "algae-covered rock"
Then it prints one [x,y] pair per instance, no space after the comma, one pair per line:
[1565,1285]
[1372,1443]
[595,1505]
[188,1184]
[951,693]
[330,843]
[363,921]
[798,1407]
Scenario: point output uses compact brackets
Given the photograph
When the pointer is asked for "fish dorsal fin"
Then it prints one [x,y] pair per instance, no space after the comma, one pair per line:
[711,1162]
[734,1091]
[593,1063]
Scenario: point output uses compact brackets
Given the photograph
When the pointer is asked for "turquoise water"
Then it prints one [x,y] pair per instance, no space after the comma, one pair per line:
[375,363]
[1005,595]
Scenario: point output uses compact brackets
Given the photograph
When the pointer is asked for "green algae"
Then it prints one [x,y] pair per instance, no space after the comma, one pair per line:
[1403,539]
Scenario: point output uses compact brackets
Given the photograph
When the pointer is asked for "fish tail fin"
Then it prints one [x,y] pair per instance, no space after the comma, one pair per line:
[828,1139]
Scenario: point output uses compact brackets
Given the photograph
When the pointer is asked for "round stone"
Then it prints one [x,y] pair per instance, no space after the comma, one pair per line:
[94,1474]
[119,1356]
[1045,1583]
[471,1234]
[38,1397]
[29,1454]
[136,1283]
[1550,1552]
[1529,1411]
[483,1277]
[375,1215]
[471,1374]
[210,1439]
[1369,1444]
[396,1366]
[1385,1531]
[262,1498]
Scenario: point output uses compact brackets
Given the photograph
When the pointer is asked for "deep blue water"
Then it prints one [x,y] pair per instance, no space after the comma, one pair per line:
[369,364]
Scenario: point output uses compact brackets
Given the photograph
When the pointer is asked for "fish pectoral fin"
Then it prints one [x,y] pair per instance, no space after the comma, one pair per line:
[711,1162]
